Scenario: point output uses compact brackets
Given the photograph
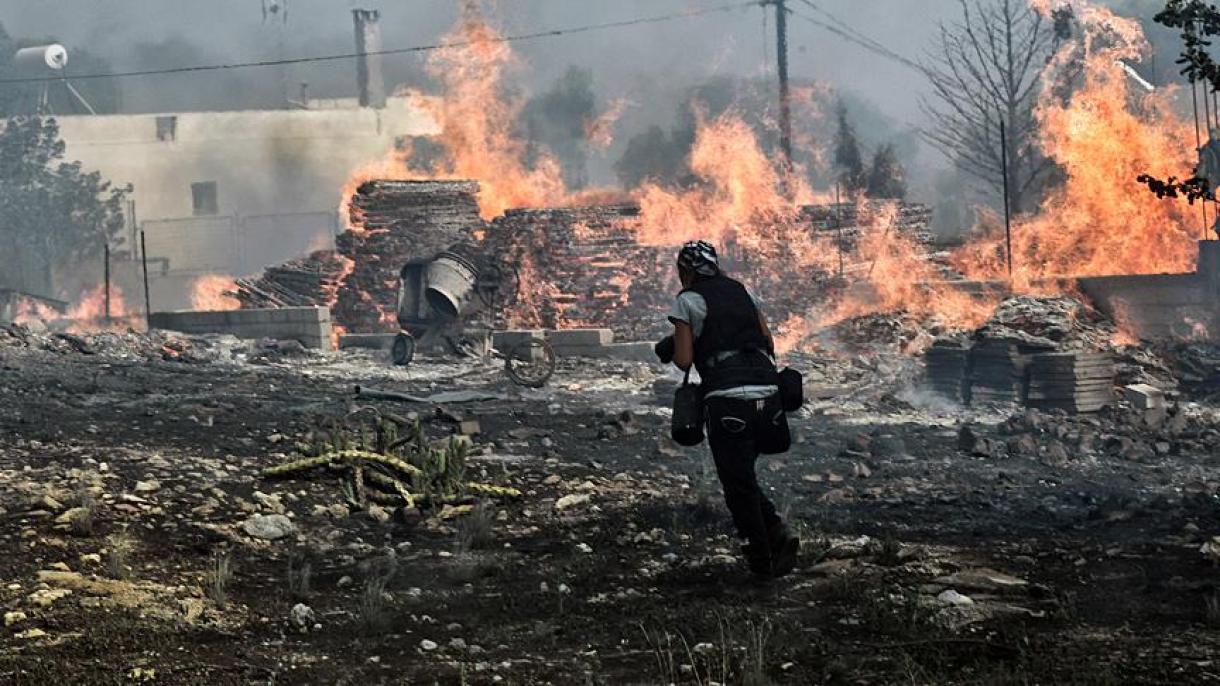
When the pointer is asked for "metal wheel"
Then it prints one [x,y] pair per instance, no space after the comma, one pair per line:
[497,283]
[530,363]
[403,350]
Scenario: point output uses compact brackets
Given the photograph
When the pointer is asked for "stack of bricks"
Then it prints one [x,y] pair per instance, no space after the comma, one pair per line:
[584,267]
[397,222]
[310,280]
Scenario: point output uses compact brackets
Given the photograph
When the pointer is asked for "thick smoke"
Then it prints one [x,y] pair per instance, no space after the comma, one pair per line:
[652,68]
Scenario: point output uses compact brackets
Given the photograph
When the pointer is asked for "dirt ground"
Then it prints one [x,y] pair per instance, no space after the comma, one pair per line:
[1067,550]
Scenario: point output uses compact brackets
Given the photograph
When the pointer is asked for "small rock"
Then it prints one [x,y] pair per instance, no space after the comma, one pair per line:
[147,486]
[69,516]
[378,513]
[11,618]
[44,597]
[91,558]
[268,527]
[571,500]
[427,645]
[952,597]
[584,548]
[30,633]
[302,617]
[46,502]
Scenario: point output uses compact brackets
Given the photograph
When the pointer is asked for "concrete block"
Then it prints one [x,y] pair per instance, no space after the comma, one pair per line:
[309,325]
[1144,396]
[641,351]
[579,338]
[505,341]
[373,341]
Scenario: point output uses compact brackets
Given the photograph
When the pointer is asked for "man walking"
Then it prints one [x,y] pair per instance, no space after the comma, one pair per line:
[719,329]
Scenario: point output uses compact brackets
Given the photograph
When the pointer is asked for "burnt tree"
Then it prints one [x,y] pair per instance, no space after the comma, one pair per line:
[986,66]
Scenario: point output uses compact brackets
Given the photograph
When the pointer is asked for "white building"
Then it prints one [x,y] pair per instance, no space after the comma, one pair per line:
[233,192]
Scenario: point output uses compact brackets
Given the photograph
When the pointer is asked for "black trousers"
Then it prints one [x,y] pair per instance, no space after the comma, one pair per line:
[735,430]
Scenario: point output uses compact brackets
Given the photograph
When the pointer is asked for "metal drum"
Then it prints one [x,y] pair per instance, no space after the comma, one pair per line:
[450,278]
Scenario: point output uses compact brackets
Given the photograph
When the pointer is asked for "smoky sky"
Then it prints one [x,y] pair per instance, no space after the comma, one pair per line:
[648,65]
[138,33]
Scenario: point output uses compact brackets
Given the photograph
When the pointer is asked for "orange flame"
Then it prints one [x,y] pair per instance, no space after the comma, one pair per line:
[89,311]
[1101,221]
[214,292]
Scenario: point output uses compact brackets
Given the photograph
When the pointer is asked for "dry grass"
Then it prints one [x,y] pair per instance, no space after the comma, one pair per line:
[83,517]
[119,547]
[216,583]
[299,579]
[1212,609]
[375,608]
[738,656]
[475,531]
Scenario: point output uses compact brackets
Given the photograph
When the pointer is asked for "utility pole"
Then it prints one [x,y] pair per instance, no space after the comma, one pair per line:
[785,104]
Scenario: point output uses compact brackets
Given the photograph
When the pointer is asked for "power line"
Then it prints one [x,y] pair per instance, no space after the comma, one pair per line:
[398,51]
[850,34]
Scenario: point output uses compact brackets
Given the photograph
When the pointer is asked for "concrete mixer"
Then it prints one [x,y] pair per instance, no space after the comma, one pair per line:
[453,302]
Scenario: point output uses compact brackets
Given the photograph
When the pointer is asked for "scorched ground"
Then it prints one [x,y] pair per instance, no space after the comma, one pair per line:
[1022,548]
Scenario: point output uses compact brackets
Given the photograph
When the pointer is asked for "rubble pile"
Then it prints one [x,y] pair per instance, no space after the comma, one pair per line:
[582,266]
[1048,323]
[309,281]
[1124,431]
[1196,368]
[128,345]
[881,331]
[577,266]
[398,221]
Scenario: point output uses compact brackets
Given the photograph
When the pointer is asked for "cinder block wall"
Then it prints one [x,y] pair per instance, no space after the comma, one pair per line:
[309,325]
[1164,305]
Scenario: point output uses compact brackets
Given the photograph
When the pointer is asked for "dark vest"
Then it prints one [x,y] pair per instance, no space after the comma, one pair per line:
[732,326]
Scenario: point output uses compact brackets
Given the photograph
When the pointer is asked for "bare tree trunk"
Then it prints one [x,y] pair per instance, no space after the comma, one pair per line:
[987,66]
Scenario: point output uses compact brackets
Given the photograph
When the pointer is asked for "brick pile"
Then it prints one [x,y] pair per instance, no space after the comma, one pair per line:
[400,221]
[577,267]
[308,281]
[583,267]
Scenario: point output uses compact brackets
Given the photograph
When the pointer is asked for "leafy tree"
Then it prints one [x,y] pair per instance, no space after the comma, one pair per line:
[558,118]
[51,209]
[651,156]
[848,160]
[661,157]
[887,178]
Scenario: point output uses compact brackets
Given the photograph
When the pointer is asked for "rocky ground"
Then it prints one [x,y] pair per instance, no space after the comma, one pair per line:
[941,544]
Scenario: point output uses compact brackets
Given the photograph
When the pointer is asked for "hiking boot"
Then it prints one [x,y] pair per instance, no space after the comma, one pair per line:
[784,548]
[759,561]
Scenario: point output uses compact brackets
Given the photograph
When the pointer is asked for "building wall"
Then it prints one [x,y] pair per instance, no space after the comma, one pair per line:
[263,162]
[278,175]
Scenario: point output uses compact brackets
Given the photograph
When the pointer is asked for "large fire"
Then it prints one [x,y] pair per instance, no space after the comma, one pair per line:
[476,118]
[1098,220]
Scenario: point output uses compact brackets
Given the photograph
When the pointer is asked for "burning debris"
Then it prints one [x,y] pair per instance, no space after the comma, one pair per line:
[583,267]
[306,282]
